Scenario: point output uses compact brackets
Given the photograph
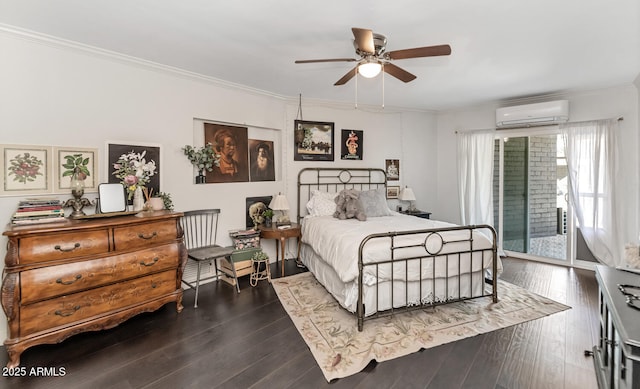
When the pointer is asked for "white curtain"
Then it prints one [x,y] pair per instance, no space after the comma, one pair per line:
[590,149]
[475,176]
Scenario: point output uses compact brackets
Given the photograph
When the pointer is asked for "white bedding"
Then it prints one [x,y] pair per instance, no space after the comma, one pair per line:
[337,242]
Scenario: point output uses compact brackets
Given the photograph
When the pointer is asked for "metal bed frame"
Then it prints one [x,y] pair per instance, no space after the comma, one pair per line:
[337,179]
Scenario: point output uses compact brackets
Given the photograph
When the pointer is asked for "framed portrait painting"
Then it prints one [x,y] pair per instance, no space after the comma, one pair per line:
[351,145]
[231,143]
[26,170]
[261,166]
[313,141]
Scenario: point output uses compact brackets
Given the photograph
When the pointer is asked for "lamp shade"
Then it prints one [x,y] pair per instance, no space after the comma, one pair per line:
[407,194]
[370,69]
[279,203]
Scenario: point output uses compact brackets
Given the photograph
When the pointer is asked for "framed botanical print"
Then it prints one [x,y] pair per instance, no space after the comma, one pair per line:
[313,141]
[145,155]
[67,160]
[26,170]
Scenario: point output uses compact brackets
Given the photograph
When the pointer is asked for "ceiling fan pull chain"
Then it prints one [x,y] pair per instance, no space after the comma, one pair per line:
[299,114]
[357,88]
[382,86]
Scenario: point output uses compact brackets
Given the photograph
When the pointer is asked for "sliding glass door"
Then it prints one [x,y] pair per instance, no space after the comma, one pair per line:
[530,190]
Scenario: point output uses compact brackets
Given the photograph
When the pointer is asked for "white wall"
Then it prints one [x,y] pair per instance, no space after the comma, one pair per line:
[600,104]
[54,94]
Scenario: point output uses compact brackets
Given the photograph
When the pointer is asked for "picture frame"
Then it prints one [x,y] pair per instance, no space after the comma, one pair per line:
[261,160]
[392,167]
[313,141]
[152,153]
[26,170]
[351,145]
[393,192]
[232,144]
[63,181]
[265,200]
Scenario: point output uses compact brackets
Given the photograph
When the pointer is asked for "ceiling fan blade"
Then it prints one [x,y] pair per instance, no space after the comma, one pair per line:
[429,51]
[347,77]
[398,73]
[326,60]
[364,39]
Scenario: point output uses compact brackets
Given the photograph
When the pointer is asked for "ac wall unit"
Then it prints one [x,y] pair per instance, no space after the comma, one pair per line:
[529,115]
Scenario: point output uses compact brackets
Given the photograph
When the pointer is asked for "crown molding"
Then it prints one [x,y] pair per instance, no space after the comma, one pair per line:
[65,44]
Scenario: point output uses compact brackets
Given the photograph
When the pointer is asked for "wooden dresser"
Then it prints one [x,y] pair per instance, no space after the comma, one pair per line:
[88,275]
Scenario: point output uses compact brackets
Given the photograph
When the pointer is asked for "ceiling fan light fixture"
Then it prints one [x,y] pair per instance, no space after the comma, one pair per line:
[370,69]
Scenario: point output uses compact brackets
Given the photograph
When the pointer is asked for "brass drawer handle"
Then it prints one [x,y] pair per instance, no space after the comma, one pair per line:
[143,236]
[75,246]
[59,280]
[143,263]
[68,312]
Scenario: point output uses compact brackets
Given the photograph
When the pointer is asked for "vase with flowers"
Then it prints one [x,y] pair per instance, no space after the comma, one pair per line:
[134,173]
[203,158]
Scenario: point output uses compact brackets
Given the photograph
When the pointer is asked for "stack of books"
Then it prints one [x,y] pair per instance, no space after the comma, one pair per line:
[33,211]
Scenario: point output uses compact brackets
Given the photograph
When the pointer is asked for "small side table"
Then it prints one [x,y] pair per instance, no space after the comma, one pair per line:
[417,213]
[261,271]
[281,235]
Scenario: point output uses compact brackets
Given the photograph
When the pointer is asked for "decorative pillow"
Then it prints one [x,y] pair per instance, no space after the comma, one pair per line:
[375,202]
[321,203]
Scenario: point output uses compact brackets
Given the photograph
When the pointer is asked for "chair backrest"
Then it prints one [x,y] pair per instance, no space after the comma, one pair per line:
[200,227]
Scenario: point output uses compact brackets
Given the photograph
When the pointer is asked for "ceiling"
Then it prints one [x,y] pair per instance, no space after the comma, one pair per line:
[500,49]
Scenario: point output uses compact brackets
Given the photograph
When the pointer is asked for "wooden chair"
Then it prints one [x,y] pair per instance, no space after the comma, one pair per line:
[200,232]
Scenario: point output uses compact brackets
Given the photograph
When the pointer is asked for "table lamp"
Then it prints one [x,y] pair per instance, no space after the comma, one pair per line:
[407,195]
[280,203]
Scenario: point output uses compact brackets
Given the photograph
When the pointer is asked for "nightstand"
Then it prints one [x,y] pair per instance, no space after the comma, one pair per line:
[417,213]
[281,235]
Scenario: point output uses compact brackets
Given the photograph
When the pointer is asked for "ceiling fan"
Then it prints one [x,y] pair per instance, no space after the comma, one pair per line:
[373,57]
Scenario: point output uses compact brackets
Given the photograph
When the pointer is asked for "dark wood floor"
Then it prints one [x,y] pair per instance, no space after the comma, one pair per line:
[247,340]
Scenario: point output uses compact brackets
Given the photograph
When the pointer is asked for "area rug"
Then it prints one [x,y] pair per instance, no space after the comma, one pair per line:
[332,335]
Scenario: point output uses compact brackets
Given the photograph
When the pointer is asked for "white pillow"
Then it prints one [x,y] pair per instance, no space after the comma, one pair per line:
[374,202]
[321,203]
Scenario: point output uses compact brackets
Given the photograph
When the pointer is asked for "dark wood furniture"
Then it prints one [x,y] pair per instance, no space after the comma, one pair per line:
[88,275]
[281,235]
[617,355]
[422,214]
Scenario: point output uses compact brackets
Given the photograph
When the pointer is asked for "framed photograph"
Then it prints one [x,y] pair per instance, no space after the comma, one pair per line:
[231,143]
[393,192]
[67,159]
[149,152]
[351,144]
[26,170]
[313,141]
[261,167]
[256,205]
[392,167]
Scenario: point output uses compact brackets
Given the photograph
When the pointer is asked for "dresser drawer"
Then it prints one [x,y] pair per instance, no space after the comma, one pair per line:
[83,305]
[46,282]
[51,247]
[144,235]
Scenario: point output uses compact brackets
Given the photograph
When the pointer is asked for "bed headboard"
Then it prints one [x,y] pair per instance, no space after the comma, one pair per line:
[334,180]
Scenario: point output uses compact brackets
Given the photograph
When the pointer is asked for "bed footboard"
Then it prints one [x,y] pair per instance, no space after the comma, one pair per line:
[432,256]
